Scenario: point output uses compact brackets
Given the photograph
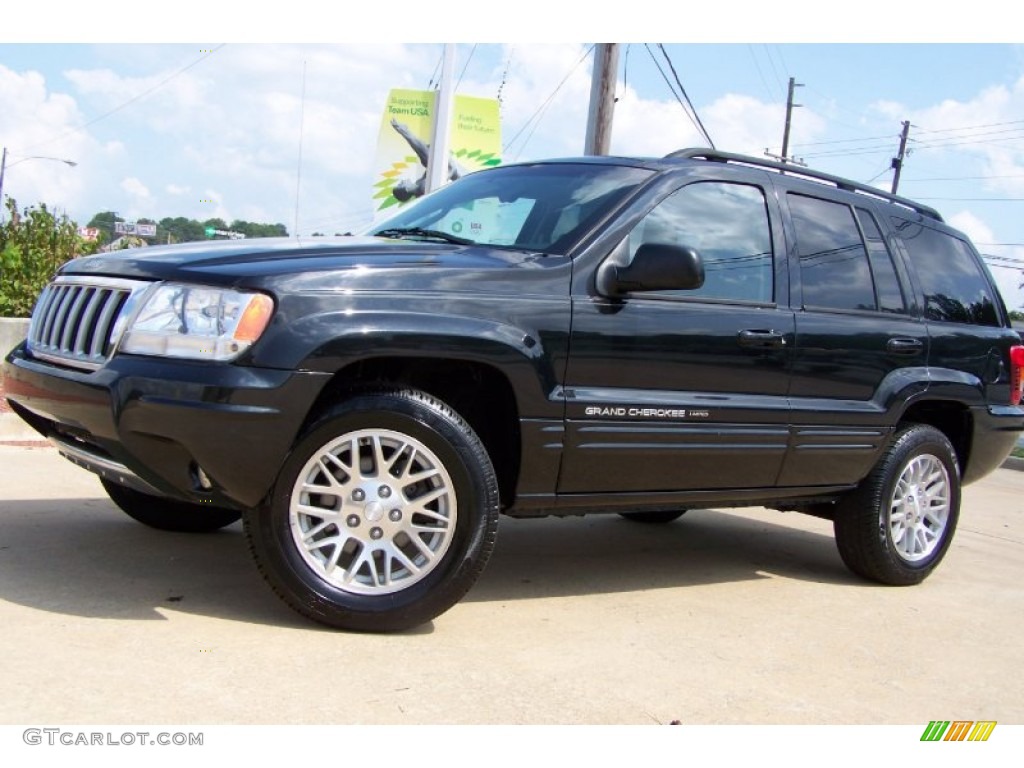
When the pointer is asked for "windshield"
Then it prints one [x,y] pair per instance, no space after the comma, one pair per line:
[542,207]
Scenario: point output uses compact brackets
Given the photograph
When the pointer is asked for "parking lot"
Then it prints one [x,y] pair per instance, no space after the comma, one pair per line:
[730,616]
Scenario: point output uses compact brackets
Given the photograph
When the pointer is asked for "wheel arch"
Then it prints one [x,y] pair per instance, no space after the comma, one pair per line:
[951,418]
[459,384]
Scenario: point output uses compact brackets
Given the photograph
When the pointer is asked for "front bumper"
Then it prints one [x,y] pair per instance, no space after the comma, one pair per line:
[164,420]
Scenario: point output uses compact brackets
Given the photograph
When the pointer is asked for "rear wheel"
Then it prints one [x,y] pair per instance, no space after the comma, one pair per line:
[382,517]
[169,514]
[898,525]
[656,517]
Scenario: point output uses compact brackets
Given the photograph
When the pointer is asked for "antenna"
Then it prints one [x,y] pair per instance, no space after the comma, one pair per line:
[298,170]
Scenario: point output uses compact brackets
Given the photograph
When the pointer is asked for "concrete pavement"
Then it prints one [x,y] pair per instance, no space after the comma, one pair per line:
[740,616]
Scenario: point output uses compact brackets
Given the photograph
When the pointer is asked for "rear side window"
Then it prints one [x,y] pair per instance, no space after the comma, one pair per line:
[955,287]
[834,269]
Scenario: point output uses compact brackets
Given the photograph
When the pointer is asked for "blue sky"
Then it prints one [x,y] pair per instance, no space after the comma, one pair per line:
[160,127]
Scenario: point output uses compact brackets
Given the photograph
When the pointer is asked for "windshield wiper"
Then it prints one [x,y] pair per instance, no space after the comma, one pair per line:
[421,232]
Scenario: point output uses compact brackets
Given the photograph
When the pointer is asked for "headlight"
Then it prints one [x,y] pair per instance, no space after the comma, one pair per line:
[197,322]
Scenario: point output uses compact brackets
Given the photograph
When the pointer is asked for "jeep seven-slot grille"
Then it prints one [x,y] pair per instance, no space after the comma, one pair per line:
[75,321]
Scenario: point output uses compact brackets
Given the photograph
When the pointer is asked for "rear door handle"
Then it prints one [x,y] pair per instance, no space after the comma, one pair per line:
[762,339]
[900,346]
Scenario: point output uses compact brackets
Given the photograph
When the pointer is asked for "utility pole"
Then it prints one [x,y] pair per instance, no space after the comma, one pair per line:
[437,159]
[789,118]
[602,99]
[3,167]
[897,162]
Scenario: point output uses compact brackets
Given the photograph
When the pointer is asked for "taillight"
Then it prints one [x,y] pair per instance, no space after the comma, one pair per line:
[1016,374]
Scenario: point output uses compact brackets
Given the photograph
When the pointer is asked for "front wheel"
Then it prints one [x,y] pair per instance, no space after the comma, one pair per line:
[897,526]
[382,517]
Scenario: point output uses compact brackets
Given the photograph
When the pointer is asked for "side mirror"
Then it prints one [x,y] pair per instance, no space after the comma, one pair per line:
[655,267]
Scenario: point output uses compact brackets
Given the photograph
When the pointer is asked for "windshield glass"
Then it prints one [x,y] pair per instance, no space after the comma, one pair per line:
[531,207]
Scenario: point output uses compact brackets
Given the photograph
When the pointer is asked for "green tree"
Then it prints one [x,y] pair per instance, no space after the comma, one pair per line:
[33,244]
[104,221]
[180,230]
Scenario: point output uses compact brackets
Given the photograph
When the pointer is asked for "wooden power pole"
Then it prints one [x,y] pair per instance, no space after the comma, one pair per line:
[789,118]
[897,162]
[602,99]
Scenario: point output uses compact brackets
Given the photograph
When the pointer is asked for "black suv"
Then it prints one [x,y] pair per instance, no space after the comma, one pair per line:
[639,336]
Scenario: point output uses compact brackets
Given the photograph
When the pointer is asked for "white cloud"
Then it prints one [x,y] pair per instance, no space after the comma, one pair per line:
[38,129]
[232,123]
[135,188]
[986,128]
[972,226]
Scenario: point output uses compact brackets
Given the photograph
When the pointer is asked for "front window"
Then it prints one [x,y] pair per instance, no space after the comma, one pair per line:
[728,224]
[546,208]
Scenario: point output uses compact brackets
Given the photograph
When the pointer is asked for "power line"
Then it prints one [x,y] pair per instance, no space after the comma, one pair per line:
[686,96]
[778,79]
[437,68]
[466,66]
[764,82]
[130,101]
[839,141]
[939,145]
[673,91]
[976,199]
[967,178]
[879,175]
[539,111]
[1003,266]
[504,78]
[968,127]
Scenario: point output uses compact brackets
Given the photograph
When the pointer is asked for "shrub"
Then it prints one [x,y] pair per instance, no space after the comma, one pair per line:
[33,245]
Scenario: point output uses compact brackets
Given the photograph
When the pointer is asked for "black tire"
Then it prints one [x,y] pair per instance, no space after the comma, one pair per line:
[897,526]
[656,517]
[341,557]
[169,514]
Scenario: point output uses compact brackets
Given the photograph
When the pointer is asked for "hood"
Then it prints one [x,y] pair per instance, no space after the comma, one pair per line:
[235,261]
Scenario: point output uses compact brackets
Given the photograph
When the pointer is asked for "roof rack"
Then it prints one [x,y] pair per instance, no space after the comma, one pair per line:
[703,153]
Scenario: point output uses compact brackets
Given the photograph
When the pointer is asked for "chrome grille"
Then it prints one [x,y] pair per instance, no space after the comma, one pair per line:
[76,320]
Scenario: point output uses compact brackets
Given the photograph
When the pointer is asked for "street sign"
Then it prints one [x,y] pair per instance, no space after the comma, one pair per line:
[230,235]
[131,228]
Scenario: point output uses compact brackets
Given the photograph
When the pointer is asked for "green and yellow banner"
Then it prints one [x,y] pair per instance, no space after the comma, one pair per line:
[403,144]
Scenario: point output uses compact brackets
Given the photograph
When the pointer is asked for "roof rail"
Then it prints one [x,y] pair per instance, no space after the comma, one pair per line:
[703,153]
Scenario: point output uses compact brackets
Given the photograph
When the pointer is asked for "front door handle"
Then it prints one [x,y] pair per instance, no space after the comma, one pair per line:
[904,346]
[757,339]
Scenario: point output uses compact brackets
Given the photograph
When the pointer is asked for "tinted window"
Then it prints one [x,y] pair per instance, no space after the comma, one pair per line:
[834,268]
[543,207]
[887,286]
[728,225]
[955,287]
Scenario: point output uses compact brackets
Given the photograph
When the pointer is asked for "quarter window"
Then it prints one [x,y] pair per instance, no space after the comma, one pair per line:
[887,285]
[956,289]
[728,225]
